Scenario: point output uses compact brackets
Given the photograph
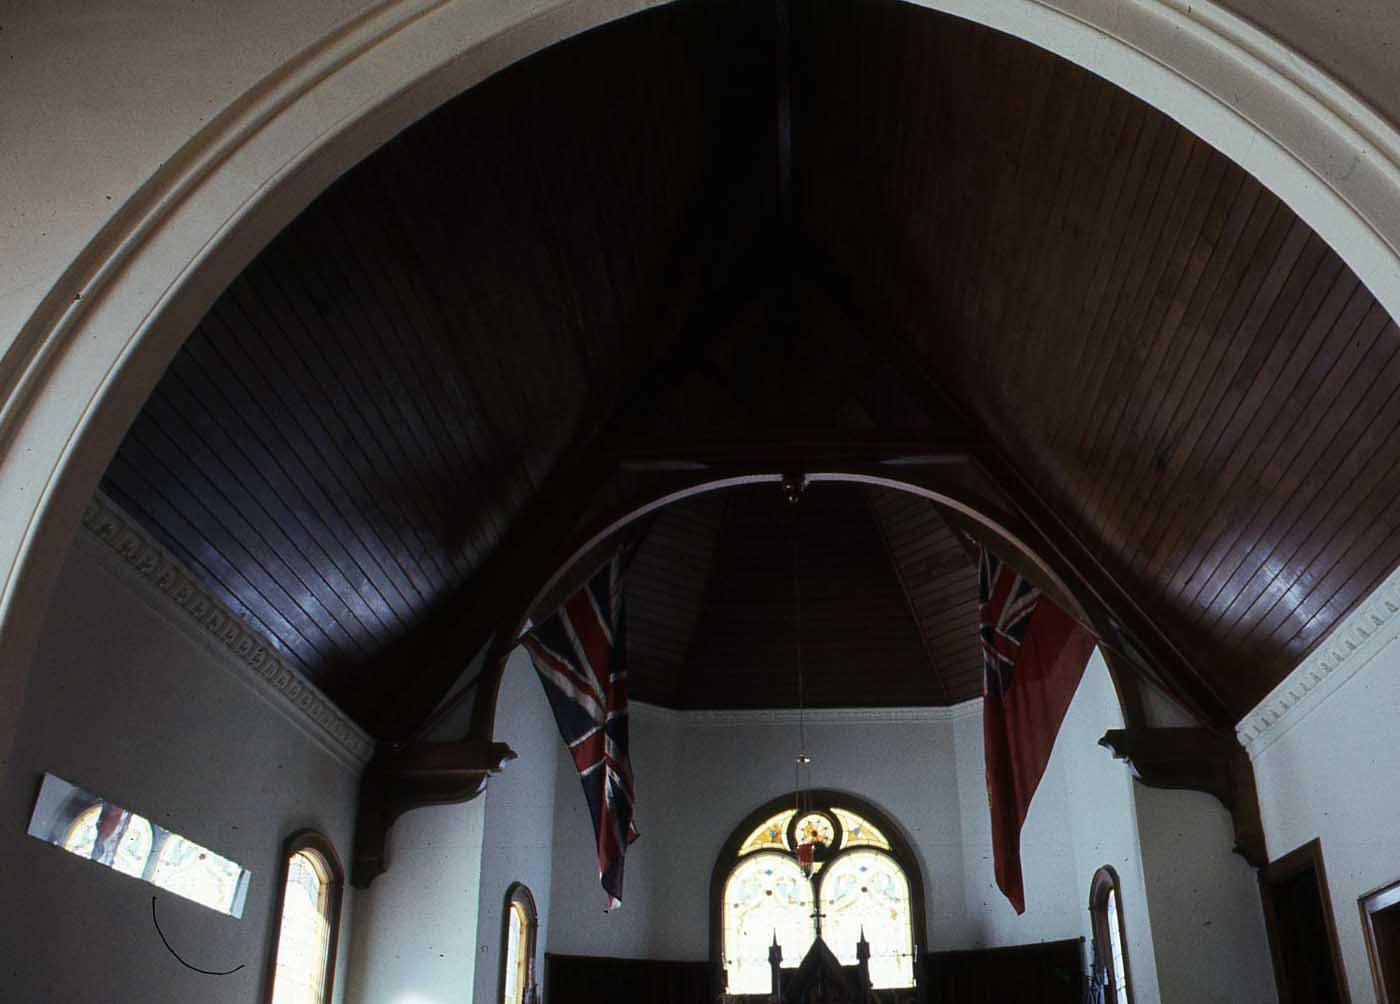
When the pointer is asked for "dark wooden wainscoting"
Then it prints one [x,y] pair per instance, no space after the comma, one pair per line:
[580,979]
[1048,973]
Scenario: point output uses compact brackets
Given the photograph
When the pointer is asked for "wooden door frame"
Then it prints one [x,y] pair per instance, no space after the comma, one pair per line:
[1370,904]
[1296,861]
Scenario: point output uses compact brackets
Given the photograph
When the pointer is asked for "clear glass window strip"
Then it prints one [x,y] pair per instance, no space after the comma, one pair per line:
[771,835]
[766,895]
[865,890]
[859,832]
[517,937]
[1118,971]
[303,939]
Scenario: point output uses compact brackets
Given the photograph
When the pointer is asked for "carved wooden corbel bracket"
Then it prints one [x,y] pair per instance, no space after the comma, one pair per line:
[400,779]
[1197,759]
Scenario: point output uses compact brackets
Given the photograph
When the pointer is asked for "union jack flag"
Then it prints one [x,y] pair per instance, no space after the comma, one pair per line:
[579,655]
[1007,601]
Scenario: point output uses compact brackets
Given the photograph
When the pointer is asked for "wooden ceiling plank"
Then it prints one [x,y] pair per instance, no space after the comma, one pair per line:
[1137,366]
[171,505]
[437,389]
[915,611]
[1090,279]
[1175,334]
[1286,440]
[298,464]
[1139,255]
[327,404]
[1353,498]
[1238,246]
[1012,177]
[1170,669]
[209,566]
[1084,138]
[1104,153]
[1243,426]
[1271,262]
[233,532]
[356,380]
[221,474]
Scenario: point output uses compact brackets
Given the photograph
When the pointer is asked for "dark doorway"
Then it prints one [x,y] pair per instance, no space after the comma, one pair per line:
[1302,933]
[1380,916]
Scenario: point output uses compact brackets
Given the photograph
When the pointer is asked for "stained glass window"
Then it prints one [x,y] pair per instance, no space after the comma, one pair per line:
[1110,956]
[766,896]
[93,828]
[816,828]
[303,939]
[126,838]
[189,870]
[517,966]
[859,832]
[856,878]
[771,834]
[1118,971]
[866,890]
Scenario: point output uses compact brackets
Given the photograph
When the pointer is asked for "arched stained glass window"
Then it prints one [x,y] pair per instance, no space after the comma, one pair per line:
[771,834]
[518,958]
[1110,957]
[767,896]
[858,832]
[304,962]
[866,890]
[782,863]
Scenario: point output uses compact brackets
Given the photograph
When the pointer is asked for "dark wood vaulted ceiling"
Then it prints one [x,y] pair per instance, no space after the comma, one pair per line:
[607,250]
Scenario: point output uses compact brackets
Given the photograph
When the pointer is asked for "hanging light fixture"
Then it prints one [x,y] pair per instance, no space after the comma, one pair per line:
[811,833]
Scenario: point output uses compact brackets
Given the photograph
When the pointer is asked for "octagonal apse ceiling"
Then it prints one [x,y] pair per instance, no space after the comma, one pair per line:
[710,237]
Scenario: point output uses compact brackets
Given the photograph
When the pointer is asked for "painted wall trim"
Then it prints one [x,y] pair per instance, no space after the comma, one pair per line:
[1362,635]
[168,587]
[813,716]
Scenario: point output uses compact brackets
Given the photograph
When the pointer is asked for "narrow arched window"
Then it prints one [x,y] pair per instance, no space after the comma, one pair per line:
[837,869]
[1110,953]
[518,957]
[303,965]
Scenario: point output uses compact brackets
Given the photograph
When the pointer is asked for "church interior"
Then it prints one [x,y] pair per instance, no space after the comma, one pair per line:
[789,311]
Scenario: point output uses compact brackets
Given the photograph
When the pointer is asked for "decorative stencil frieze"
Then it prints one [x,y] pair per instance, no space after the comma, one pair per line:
[114,528]
[1353,643]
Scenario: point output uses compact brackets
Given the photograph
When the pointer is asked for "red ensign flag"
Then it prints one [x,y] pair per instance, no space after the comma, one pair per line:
[1033,657]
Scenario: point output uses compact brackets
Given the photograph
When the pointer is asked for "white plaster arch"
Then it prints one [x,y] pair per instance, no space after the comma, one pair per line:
[78,368]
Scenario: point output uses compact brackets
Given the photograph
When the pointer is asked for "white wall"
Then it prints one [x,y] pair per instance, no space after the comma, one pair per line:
[428,931]
[699,775]
[645,926]
[1082,817]
[415,927]
[1207,920]
[1194,928]
[518,844]
[129,700]
[1332,774]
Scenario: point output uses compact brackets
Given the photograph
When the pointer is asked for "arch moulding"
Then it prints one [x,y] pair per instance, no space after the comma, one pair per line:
[75,370]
